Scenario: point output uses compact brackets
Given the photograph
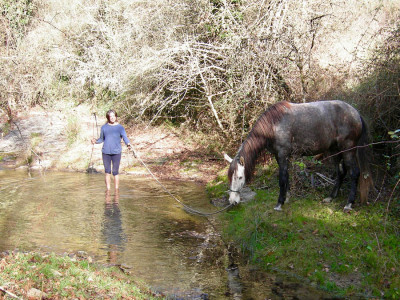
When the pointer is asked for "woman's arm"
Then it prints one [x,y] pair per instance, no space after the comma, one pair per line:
[125,137]
[100,139]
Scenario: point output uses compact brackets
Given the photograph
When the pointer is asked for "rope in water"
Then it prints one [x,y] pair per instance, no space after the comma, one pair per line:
[186,207]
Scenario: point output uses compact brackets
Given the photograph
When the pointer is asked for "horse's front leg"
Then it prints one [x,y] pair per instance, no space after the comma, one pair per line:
[340,175]
[351,164]
[283,182]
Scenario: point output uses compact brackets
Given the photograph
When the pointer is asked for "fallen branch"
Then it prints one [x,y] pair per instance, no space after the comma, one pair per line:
[2,289]
[328,180]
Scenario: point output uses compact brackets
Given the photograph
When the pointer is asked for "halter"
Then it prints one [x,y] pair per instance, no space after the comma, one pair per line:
[232,191]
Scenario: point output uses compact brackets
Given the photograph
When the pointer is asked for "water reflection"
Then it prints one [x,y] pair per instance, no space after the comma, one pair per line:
[113,235]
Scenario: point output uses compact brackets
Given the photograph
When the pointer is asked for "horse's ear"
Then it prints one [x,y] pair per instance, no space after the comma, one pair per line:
[241,160]
[226,156]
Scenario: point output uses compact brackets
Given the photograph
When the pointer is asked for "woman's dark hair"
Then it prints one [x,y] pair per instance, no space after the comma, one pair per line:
[108,114]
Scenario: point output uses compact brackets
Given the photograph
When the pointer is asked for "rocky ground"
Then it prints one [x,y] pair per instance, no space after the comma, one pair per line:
[60,140]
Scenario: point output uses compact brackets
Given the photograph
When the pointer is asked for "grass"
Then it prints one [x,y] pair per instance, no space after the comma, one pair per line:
[4,129]
[348,254]
[36,139]
[68,278]
[72,130]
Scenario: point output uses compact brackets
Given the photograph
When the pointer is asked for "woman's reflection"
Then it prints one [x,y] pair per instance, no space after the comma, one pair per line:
[112,228]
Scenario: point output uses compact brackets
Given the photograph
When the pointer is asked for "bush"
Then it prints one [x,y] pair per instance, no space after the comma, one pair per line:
[213,65]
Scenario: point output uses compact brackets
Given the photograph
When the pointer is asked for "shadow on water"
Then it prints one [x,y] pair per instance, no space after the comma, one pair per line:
[178,254]
[113,235]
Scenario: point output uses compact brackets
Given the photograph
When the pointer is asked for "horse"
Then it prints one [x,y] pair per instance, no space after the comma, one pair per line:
[325,127]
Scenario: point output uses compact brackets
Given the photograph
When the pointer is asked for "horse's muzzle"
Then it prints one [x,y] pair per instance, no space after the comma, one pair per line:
[234,197]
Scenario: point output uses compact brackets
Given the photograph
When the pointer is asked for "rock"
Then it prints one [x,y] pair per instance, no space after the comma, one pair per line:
[81,254]
[125,266]
[246,194]
[4,254]
[34,294]
[56,273]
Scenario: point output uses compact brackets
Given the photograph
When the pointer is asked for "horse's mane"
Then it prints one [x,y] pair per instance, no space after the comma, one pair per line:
[257,139]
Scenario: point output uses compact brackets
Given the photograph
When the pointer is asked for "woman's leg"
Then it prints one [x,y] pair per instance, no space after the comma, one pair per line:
[107,169]
[108,181]
[116,159]
[116,182]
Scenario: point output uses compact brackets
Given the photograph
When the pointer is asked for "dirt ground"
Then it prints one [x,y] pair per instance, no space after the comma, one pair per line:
[60,140]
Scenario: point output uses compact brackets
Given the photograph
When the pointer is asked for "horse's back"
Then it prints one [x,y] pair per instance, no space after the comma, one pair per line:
[315,127]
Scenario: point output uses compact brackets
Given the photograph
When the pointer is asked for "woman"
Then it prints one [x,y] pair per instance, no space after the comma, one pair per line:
[111,134]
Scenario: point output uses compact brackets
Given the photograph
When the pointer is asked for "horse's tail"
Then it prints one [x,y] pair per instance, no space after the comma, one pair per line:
[363,156]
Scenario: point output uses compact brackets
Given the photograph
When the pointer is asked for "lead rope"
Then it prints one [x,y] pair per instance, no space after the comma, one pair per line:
[187,208]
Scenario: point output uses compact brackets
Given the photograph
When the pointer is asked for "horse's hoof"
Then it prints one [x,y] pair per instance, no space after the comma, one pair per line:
[347,208]
[327,200]
[278,208]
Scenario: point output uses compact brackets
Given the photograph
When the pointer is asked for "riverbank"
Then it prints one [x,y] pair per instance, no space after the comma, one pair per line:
[38,275]
[353,255]
[60,140]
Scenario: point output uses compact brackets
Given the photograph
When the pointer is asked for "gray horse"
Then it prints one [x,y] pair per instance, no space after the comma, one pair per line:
[285,129]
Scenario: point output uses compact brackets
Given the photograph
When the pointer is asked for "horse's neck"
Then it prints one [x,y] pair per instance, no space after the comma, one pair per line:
[251,149]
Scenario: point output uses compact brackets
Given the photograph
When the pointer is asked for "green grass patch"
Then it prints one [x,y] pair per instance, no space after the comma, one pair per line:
[349,254]
[65,277]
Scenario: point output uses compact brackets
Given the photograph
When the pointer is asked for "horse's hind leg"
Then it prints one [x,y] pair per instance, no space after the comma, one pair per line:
[283,181]
[351,163]
[341,172]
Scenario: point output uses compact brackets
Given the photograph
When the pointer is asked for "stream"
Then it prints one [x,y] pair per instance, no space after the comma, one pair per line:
[141,228]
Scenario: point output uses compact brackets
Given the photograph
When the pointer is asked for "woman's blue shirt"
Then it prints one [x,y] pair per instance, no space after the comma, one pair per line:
[111,136]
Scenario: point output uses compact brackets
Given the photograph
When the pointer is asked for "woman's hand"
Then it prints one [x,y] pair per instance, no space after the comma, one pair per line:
[131,149]
[93,141]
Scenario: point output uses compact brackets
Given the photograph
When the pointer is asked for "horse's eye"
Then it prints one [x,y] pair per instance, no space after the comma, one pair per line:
[240,177]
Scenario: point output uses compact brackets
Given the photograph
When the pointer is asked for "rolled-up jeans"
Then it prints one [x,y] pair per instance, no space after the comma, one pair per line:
[115,159]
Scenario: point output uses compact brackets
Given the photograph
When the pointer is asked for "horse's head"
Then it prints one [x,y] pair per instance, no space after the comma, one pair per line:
[236,178]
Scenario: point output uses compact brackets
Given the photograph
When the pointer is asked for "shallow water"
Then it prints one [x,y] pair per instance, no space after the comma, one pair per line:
[144,229]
